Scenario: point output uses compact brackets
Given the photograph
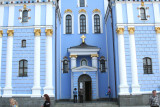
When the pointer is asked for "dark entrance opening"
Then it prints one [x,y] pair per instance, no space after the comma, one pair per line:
[85,87]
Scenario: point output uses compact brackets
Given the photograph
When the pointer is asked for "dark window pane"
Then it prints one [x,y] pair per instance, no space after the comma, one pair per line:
[25,16]
[82,24]
[82,3]
[68,24]
[143,14]
[83,62]
[96,23]
[147,65]
[23,43]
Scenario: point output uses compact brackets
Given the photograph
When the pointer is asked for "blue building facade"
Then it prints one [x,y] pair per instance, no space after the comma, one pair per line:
[53,47]
[135,45]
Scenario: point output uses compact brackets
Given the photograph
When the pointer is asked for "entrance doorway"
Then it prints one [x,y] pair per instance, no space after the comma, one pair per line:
[85,87]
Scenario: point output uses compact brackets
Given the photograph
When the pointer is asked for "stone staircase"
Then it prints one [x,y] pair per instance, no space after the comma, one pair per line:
[87,104]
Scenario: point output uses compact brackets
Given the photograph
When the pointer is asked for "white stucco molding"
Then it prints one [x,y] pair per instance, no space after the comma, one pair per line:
[84,69]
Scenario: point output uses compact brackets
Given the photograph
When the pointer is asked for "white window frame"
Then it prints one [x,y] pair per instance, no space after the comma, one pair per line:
[64,22]
[62,66]
[83,59]
[78,3]
[101,24]
[146,12]
[87,27]
[21,14]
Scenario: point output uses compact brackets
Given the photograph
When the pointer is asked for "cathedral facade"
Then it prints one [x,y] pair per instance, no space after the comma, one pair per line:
[52,47]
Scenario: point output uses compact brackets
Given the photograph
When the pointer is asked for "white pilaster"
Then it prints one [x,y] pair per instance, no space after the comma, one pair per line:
[0,57]
[1,34]
[73,61]
[73,65]
[48,89]
[158,43]
[123,88]
[49,16]
[135,84]
[157,28]
[94,60]
[8,83]
[36,90]
[38,14]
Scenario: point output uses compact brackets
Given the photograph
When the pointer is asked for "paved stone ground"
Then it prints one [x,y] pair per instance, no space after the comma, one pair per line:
[87,104]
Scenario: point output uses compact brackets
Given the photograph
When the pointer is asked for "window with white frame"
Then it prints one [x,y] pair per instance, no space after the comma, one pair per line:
[97,22]
[65,65]
[68,25]
[97,28]
[82,3]
[82,22]
[143,12]
[83,62]
[24,14]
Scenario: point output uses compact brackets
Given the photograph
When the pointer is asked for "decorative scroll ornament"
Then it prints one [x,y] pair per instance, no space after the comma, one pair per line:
[94,55]
[82,11]
[49,32]
[73,56]
[131,30]
[10,32]
[157,29]
[37,32]
[1,33]
[120,31]
[96,10]
[68,10]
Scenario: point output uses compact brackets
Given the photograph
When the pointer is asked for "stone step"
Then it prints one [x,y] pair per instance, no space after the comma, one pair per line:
[95,104]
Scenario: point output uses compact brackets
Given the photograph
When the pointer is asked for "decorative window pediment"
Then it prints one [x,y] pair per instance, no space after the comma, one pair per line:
[24,14]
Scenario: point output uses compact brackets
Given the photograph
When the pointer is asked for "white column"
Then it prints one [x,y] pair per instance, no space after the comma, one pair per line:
[123,88]
[48,89]
[135,84]
[157,28]
[8,83]
[36,90]
[1,34]
[94,60]
[73,61]
[158,43]
[73,65]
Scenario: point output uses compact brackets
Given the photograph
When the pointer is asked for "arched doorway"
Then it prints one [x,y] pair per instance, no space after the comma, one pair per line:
[85,86]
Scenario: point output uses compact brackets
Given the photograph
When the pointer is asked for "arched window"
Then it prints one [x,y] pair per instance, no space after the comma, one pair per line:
[23,68]
[143,13]
[82,24]
[82,3]
[96,23]
[68,24]
[83,62]
[25,16]
[147,65]
[65,65]
[23,43]
[102,64]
